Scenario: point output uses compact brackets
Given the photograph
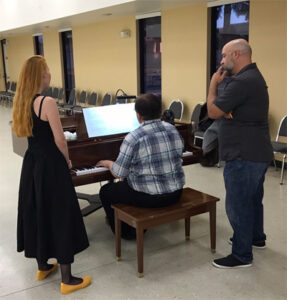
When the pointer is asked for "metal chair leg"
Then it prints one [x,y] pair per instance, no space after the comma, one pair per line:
[282,169]
[274,161]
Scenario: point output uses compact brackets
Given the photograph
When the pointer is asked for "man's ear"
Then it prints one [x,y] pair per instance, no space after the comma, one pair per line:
[140,118]
[236,53]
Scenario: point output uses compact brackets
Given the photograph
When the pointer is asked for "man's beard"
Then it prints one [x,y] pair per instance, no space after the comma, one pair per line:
[228,68]
[228,72]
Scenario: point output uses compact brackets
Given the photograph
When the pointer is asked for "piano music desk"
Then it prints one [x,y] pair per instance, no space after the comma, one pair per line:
[192,203]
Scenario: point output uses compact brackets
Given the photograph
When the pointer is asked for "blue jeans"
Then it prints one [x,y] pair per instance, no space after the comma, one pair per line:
[244,194]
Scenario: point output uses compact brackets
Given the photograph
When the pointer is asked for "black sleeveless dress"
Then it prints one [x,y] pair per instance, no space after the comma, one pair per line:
[50,224]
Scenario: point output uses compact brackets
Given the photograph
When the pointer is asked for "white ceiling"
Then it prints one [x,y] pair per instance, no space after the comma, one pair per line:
[26,16]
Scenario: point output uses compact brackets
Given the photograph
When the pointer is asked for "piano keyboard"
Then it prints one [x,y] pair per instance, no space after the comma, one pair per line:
[91,170]
[85,171]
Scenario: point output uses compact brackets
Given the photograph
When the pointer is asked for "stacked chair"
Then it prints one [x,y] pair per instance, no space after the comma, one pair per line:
[82,102]
[55,94]
[8,95]
[107,99]
[4,93]
[71,102]
[93,99]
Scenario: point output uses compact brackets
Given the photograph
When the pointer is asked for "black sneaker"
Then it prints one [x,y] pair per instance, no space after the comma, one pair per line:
[229,262]
[257,245]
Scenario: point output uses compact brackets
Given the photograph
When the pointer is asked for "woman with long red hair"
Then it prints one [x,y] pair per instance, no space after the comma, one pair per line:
[50,224]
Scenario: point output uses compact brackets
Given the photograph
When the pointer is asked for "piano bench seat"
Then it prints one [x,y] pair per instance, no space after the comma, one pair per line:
[191,203]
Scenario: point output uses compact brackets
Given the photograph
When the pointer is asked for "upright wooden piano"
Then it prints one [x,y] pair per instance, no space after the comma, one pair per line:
[85,152]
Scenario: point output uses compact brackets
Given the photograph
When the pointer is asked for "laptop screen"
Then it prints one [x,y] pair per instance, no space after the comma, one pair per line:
[110,119]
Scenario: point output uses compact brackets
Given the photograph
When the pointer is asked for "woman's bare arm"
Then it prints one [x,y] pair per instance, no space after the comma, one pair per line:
[50,110]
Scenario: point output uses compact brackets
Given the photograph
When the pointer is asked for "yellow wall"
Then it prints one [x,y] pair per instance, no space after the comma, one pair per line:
[20,48]
[52,54]
[268,38]
[184,56]
[103,61]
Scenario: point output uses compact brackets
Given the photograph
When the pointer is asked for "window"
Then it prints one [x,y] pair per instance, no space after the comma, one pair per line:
[38,45]
[150,55]
[228,22]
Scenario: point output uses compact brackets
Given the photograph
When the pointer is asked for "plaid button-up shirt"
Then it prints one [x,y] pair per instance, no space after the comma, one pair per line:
[151,158]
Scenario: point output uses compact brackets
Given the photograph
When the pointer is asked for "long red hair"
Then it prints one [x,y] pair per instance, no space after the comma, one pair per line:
[29,84]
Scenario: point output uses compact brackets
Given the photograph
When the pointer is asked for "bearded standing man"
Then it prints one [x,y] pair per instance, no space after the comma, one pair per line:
[244,143]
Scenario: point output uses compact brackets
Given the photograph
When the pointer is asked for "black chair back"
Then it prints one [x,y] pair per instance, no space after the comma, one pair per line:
[177,107]
[93,99]
[49,92]
[107,99]
[195,117]
[61,94]
[13,87]
[283,127]
[168,116]
[55,93]
[8,85]
[83,97]
[72,97]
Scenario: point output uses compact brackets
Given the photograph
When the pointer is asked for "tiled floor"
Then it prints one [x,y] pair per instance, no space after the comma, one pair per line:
[174,268]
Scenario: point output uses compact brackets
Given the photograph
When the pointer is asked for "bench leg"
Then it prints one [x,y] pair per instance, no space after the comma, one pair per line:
[118,236]
[212,224]
[187,228]
[140,236]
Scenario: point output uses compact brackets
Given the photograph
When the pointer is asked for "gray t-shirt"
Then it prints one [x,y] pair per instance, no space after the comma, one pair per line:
[246,135]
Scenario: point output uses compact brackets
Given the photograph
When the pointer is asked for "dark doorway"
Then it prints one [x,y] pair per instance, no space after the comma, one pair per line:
[150,55]
[68,62]
[3,51]
[38,45]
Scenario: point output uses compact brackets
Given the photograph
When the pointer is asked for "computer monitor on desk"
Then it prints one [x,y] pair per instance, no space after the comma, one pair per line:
[110,119]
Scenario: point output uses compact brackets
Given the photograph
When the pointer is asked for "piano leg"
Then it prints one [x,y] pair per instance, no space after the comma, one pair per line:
[94,203]
[94,200]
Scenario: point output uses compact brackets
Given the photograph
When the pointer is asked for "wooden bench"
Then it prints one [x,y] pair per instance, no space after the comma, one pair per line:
[192,203]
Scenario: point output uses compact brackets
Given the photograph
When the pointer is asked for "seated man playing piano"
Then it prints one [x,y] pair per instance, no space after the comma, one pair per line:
[149,162]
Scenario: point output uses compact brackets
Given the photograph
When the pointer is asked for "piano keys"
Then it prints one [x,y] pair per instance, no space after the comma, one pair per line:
[88,170]
[94,169]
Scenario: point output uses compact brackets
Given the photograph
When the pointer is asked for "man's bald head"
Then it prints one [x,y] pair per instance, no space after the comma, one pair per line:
[240,45]
[236,54]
